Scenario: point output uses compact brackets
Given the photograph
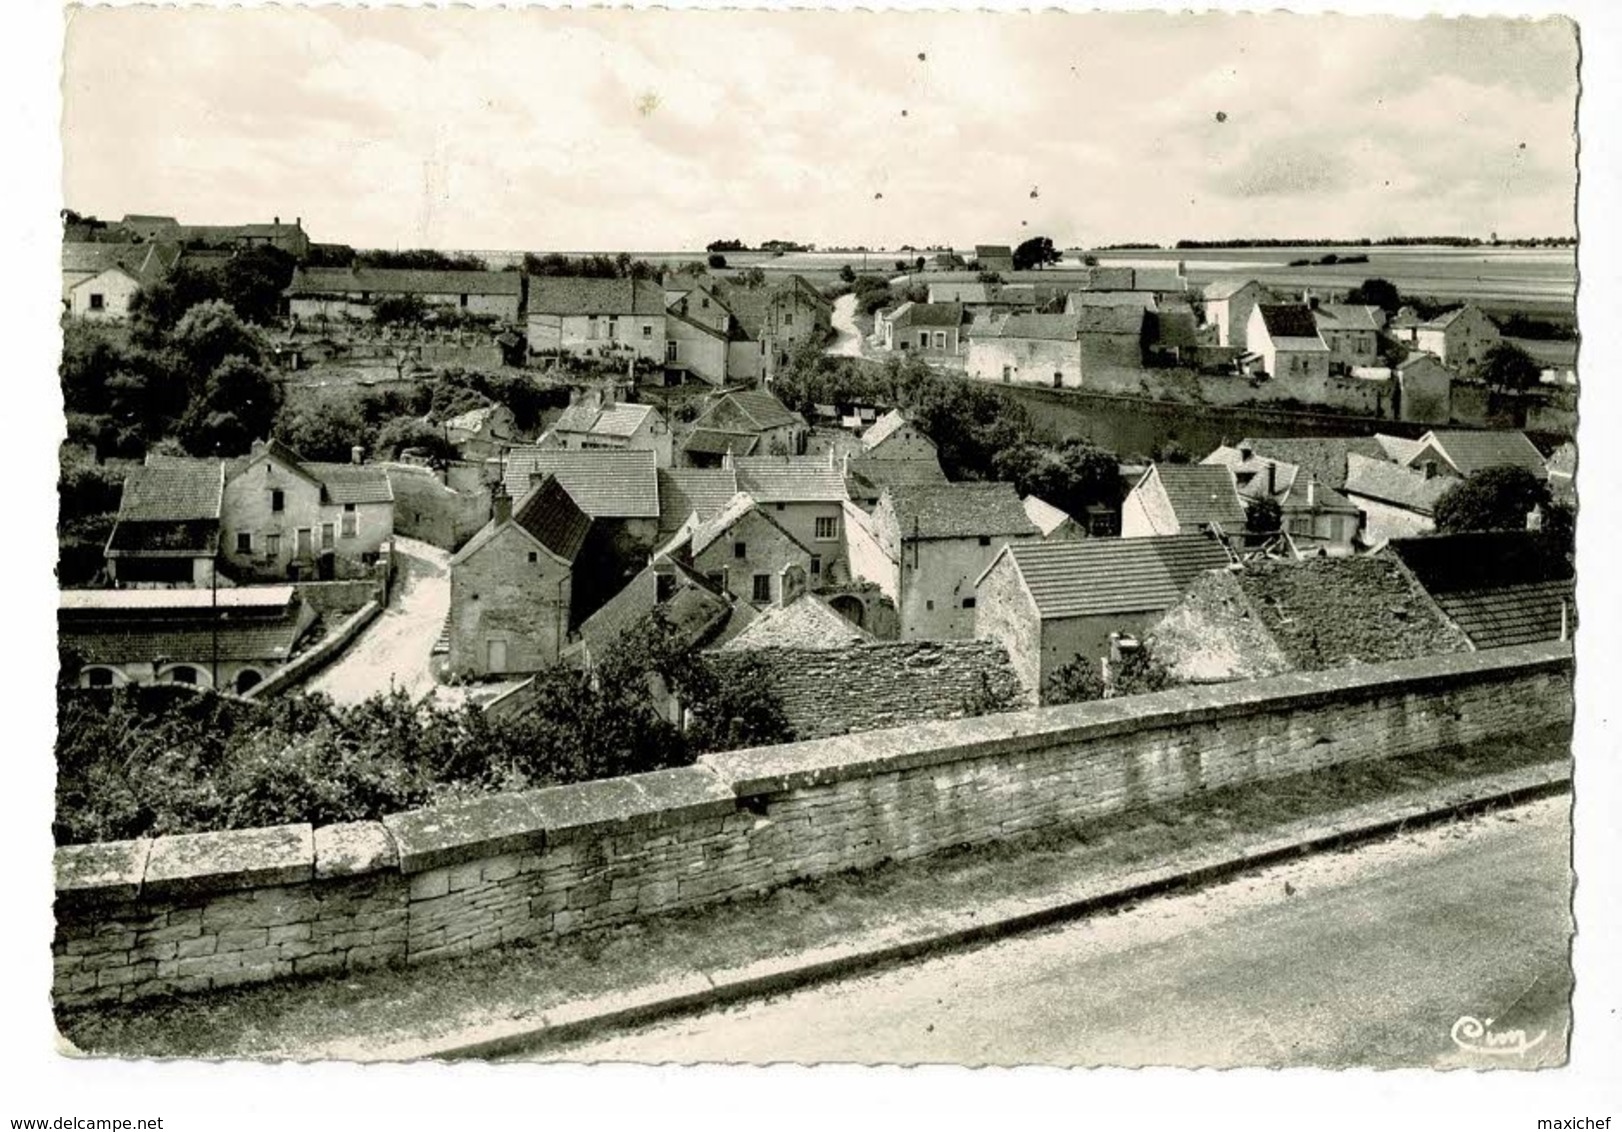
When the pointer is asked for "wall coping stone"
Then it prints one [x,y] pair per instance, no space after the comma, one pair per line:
[790,766]
[191,864]
[353,848]
[106,872]
[456,832]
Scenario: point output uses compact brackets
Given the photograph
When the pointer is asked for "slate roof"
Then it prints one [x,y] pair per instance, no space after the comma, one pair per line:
[1323,458]
[959,510]
[807,622]
[790,479]
[1094,577]
[552,518]
[1201,494]
[1471,451]
[402,281]
[684,491]
[1044,515]
[604,483]
[1500,587]
[1395,484]
[717,442]
[569,295]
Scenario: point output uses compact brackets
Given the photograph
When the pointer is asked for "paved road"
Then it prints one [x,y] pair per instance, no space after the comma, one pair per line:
[1368,958]
[395,649]
[849,342]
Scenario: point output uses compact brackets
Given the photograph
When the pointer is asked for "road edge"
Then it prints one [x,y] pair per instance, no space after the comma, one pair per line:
[707,990]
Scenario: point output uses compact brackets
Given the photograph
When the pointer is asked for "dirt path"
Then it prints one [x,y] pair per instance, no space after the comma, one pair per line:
[849,342]
[395,649]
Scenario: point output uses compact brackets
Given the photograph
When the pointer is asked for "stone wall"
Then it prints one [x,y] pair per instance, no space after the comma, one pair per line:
[189,913]
[342,598]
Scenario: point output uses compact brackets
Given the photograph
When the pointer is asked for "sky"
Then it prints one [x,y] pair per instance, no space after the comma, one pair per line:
[659,130]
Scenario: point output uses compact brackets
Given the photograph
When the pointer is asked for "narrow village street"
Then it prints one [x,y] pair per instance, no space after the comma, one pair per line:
[849,342]
[396,649]
[1378,957]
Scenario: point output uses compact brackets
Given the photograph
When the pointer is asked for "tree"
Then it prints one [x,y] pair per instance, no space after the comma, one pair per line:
[1089,261]
[1078,681]
[1508,368]
[847,274]
[158,306]
[1036,253]
[919,264]
[401,433]
[399,310]
[209,333]
[1264,517]
[237,405]
[419,259]
[1138,673]
[1493,499]
[1380,293]
[252,281]
[324,428]
[1071,475]
[717,261]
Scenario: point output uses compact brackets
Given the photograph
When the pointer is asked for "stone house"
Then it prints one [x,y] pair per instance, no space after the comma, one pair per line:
[1272,617]
[324,293]
[1396,501]
[596,421]
[1050,603]
[745,413]
[744,552]
[229,638]
[694,347]
[925,545]
[769,323]
[702,615]
[994,257]
[99,280]
[1091,346]
[286,517]
[482,433]
[866,479]
[1460,338]
[1317,517]
[806,496]
[1424,389]
[1464,452]
[609,317]
[1228,306]
[512,584]
[168,528]
[290,238]
[1174,499]
[928,330]
[894,437]
[1352,334]
[983,302]
[1284,337]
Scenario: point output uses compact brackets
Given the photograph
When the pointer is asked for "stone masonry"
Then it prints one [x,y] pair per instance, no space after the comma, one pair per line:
[200,911]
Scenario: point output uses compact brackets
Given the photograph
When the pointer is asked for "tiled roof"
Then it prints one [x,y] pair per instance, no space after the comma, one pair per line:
[1500,587]
[562,295]
[883,428]
[867,478]
[1288,320]
[1398,449]
[261,627]
[931,314]
[93,602]
[1345,316]
[1258,477]
[685,491]
[805,623]
[697,612]
[551,516]
[618,419]
[180,491]
[1045,327]
[764,409]
[1226,288]
[605,483]
[402,281]
[352,483]
[1046,516]
[790,479]
[142,261]
[718,442]
[1132,300]
[983,251]
[1113,319]
[1324,498]
[1323,458]
[706,531]
[959,510]
[1471,452]
[1201,494]
[1092,577]
[1394,484]
[1445,319]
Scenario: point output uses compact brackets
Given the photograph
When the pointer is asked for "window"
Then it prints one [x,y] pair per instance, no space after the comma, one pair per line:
[940,339]
[923,339]
[740,550]
[613,329]
[664,587]
[763,587]
[534,556]
[705,303]
[788,318]
[273,544]
[672,351]
[781,506]
[591,326]
[968,603]
[647,330]
[278,501]
[816,565]
[98,301]
[827,528]
[985,540]
[464,300]
[183,674]
[1058,380]
[1007,374]
[930,606]
[351,520]
[244,542]
[328,536]
[99,677]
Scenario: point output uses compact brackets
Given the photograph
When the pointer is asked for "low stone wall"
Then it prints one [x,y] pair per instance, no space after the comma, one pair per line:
[341,598]
[179,914]
[303,666]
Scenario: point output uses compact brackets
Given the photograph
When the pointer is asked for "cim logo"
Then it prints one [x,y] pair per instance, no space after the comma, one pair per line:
[1476,1035]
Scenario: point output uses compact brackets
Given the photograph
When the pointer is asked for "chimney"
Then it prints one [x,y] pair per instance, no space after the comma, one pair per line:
[726,458]
[1312,493]
[609,395]
[1272,477]
[276,220]
[502,503]
[664,579]
[790,583]
[357,454]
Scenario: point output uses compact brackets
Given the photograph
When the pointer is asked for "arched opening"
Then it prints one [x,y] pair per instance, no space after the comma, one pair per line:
[248,679]
[183,674]
[849,607]
[100,678]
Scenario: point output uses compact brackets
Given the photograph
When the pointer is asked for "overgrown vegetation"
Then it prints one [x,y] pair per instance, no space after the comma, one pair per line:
[1500,499]
[146,761]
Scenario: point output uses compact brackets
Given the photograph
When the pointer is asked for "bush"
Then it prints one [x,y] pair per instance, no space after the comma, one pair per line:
[1078,681]
[717,261]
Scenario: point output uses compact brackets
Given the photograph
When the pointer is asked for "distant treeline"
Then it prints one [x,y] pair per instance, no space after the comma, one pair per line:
[776,247]
[1383,242]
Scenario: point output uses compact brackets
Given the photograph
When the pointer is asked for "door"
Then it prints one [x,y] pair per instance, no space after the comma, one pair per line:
[498,656]
[306,541]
